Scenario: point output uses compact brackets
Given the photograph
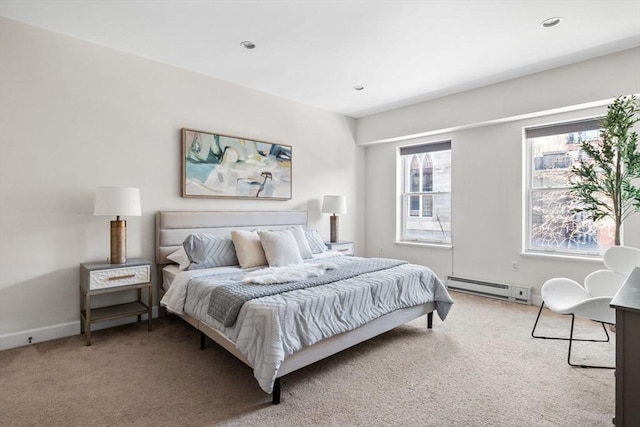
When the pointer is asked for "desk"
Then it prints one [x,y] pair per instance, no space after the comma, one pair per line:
[627,305]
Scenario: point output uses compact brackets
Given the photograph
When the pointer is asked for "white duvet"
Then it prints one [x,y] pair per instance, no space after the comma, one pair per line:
[269,329]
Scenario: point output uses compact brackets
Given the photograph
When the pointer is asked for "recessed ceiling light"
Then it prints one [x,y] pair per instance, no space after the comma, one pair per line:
[358,87]
[248,45]
[551,22]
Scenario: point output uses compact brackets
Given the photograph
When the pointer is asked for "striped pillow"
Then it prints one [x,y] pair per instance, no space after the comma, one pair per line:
[207,251]
[316,244]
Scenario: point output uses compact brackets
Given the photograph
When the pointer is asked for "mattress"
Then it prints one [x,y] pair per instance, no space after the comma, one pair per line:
[169,273]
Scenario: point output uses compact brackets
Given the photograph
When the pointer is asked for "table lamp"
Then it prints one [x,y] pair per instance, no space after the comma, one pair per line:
[118,201]
[334,205]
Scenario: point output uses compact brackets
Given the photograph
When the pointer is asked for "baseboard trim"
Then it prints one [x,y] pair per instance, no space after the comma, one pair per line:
[62,330]
[536,300]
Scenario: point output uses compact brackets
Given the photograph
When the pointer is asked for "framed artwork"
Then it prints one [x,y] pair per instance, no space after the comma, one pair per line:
[216,165]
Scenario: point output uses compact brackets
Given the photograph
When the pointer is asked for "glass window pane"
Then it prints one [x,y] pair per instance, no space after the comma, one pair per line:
[414,206]
[553,157]
[437,227]
[427,173]
[414,177]
[543,178]
[555,226]
[427,206]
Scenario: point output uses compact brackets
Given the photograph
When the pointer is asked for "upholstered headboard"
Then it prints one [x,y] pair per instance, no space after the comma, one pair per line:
[172,227]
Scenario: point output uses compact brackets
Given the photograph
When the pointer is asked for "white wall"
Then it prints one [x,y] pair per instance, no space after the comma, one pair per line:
[485,127]
[74,116]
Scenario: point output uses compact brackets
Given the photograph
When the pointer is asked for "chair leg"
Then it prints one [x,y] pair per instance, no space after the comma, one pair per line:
[536,324]
[571,340]
[561,338]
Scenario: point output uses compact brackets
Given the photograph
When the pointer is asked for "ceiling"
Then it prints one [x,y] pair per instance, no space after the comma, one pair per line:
[315,51]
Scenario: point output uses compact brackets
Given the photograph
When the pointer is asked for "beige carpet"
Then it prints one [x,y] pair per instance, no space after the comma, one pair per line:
[478,368]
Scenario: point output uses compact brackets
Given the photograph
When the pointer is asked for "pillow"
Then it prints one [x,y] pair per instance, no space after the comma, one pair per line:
[180,257]
[301,240]
[280,247]
[207,251]
[316,244]
[248,248]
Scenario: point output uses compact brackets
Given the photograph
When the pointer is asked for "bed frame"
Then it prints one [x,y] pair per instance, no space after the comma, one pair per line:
[172,227]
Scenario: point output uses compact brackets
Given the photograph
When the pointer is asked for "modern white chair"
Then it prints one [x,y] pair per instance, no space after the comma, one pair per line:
[566,296]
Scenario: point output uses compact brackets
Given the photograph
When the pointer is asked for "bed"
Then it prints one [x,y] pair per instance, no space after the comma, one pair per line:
[278,333]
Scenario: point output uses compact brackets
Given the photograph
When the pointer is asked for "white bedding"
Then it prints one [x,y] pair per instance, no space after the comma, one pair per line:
[169,273]
[269,329]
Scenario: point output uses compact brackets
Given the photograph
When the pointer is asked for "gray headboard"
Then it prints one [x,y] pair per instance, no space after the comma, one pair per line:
[172,227]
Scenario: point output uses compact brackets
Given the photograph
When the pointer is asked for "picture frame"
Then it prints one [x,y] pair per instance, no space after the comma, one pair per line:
[223,166]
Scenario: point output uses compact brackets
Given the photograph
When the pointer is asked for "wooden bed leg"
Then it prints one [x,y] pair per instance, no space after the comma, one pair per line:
[203,341]
[430,320]
[276,392]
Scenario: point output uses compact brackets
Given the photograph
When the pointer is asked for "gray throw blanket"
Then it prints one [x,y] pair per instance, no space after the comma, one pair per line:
[227,298]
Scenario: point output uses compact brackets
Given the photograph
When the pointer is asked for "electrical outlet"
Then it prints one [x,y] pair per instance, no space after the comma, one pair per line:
[514,266]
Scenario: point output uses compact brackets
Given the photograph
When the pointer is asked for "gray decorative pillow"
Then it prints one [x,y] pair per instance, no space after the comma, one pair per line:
[280,247]
[316,244]
[301,240]
[208,251]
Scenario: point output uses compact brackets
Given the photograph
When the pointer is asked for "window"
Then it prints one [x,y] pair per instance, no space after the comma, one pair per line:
[552,225]
[425,210]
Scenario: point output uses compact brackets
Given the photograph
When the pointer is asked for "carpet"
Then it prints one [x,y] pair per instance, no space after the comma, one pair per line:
[480,367]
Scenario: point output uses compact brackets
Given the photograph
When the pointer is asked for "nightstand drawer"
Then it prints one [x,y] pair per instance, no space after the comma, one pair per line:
[114,277]
[345,248]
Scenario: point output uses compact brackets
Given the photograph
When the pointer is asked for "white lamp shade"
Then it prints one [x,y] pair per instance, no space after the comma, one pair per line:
[334,204]
[118,201]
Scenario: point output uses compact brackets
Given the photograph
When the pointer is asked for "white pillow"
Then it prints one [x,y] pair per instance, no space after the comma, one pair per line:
[248,248]
[180,257]
[280,247]
[301,240]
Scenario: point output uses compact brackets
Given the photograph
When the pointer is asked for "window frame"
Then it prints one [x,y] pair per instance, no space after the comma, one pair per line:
[530,190]
[404,184]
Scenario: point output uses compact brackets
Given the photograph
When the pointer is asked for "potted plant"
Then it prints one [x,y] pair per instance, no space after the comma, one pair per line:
[605,183]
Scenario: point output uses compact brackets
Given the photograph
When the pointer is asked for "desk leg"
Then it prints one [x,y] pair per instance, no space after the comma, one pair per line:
[150,305]
[81,308]
[140,301]
[87,325]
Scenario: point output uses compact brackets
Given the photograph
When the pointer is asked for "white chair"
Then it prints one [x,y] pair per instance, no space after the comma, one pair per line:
[565,296]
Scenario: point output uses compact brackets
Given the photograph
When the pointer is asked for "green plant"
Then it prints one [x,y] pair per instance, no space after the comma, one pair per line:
[603,182]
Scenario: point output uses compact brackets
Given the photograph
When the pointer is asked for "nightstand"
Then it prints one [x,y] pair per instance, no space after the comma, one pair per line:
[343,246]
[98,278]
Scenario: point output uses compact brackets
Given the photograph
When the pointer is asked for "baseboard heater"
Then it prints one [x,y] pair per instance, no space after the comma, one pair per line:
[504,291]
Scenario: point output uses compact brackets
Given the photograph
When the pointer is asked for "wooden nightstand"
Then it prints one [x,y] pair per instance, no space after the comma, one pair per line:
[97,278]
[343,246]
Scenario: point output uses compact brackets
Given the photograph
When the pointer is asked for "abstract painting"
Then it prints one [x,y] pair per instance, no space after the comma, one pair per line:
[216,165]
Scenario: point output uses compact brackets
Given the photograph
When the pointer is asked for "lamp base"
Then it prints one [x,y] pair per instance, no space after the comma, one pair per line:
[118,242]
[334,222]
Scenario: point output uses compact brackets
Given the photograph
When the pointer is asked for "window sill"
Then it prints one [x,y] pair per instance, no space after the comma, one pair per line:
[424,244]
[591,259]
